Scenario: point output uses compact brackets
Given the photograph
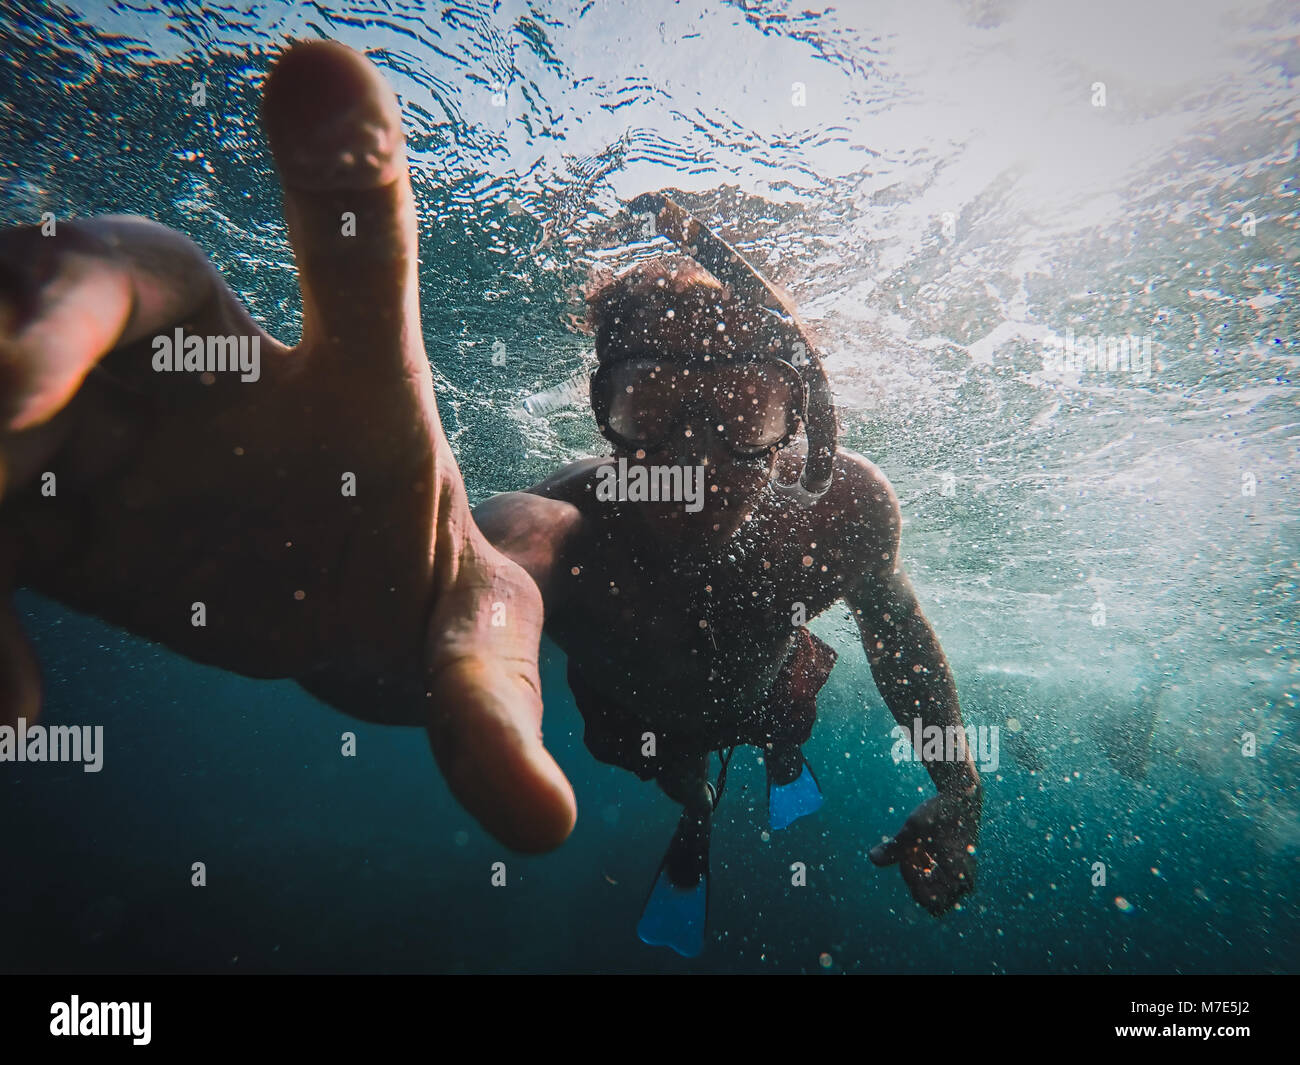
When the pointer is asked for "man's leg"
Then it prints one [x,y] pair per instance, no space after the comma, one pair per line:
[784,762]
[685,780]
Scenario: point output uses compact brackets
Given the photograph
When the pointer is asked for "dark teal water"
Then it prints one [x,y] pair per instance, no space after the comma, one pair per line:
[946,199]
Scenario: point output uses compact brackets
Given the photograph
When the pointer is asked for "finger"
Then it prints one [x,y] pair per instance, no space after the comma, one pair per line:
[84,296]
[20,678]
[485,707]
[886,853]
[493,759]
[336,133]
[926,885]
[933,884]
[962,872]
[63,304]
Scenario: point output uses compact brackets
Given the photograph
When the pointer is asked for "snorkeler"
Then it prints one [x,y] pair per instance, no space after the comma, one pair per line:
[684,626]
[312,523]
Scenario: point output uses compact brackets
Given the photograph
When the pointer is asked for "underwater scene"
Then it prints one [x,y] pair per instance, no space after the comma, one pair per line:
[1043,258]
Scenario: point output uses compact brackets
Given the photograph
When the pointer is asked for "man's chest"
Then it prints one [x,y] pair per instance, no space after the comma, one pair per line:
[726,615]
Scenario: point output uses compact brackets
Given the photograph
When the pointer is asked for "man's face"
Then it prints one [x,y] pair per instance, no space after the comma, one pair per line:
[730,485]
[691,345]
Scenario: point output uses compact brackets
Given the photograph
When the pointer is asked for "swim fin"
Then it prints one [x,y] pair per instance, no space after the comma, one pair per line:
[786,803]
[677,910]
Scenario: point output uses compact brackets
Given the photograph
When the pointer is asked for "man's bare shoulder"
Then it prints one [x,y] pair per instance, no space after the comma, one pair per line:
[573,484]
[863,504]
[552,507]
[552,512]
[860,486]
[542,526]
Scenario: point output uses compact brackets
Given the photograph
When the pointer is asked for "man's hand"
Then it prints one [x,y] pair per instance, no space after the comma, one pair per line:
[310,523]
[936,849]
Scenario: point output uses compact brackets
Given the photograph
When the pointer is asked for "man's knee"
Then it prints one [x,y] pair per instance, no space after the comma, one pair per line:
[686,781]
[784,762]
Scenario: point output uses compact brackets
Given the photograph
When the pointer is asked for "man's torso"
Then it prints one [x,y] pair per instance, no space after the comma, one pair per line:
[676,638]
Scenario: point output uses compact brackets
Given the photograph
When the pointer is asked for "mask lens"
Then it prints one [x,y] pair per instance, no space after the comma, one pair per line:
[751,405]
[645,400]
[754,404]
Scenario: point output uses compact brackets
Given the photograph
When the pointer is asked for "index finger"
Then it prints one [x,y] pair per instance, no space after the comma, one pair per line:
[63,304]
[336,133]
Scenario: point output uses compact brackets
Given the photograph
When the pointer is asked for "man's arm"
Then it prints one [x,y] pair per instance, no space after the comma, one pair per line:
[906,660]
[909,667]
[534,532]
[935,848]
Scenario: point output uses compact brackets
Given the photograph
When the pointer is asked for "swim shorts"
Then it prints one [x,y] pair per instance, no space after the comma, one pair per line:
[614,733]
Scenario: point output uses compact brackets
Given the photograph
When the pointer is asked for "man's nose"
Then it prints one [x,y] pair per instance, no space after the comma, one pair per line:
[698,439]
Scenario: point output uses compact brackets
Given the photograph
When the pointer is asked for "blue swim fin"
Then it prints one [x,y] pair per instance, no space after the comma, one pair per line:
[786,803]
[675,914]
[675,917]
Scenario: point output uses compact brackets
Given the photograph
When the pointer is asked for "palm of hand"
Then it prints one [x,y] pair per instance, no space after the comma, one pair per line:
[935,851]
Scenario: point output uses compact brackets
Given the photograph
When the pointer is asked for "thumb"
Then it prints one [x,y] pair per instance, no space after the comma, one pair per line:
[20,678]
[886,853]
[485,706]
[487,742]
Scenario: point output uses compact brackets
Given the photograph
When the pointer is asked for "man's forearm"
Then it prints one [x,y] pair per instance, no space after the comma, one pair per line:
[916,682]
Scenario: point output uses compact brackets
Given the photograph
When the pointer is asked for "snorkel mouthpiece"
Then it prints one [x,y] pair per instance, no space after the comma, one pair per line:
[726,264]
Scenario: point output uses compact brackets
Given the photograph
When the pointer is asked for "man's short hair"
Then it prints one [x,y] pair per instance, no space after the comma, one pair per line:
[666,305]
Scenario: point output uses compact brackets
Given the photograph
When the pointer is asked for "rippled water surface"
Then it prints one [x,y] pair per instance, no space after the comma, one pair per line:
[1108,557]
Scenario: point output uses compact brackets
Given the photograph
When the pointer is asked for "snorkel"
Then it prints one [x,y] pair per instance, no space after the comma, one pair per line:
[726,264]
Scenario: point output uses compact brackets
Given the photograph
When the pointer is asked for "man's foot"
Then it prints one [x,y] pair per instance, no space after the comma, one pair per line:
[676,913]
[796,798]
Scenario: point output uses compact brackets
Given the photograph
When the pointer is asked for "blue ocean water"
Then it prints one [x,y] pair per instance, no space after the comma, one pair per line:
[943,189]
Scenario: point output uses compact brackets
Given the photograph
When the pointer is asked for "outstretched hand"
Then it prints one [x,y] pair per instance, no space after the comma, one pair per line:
[305,520]
[935,849]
